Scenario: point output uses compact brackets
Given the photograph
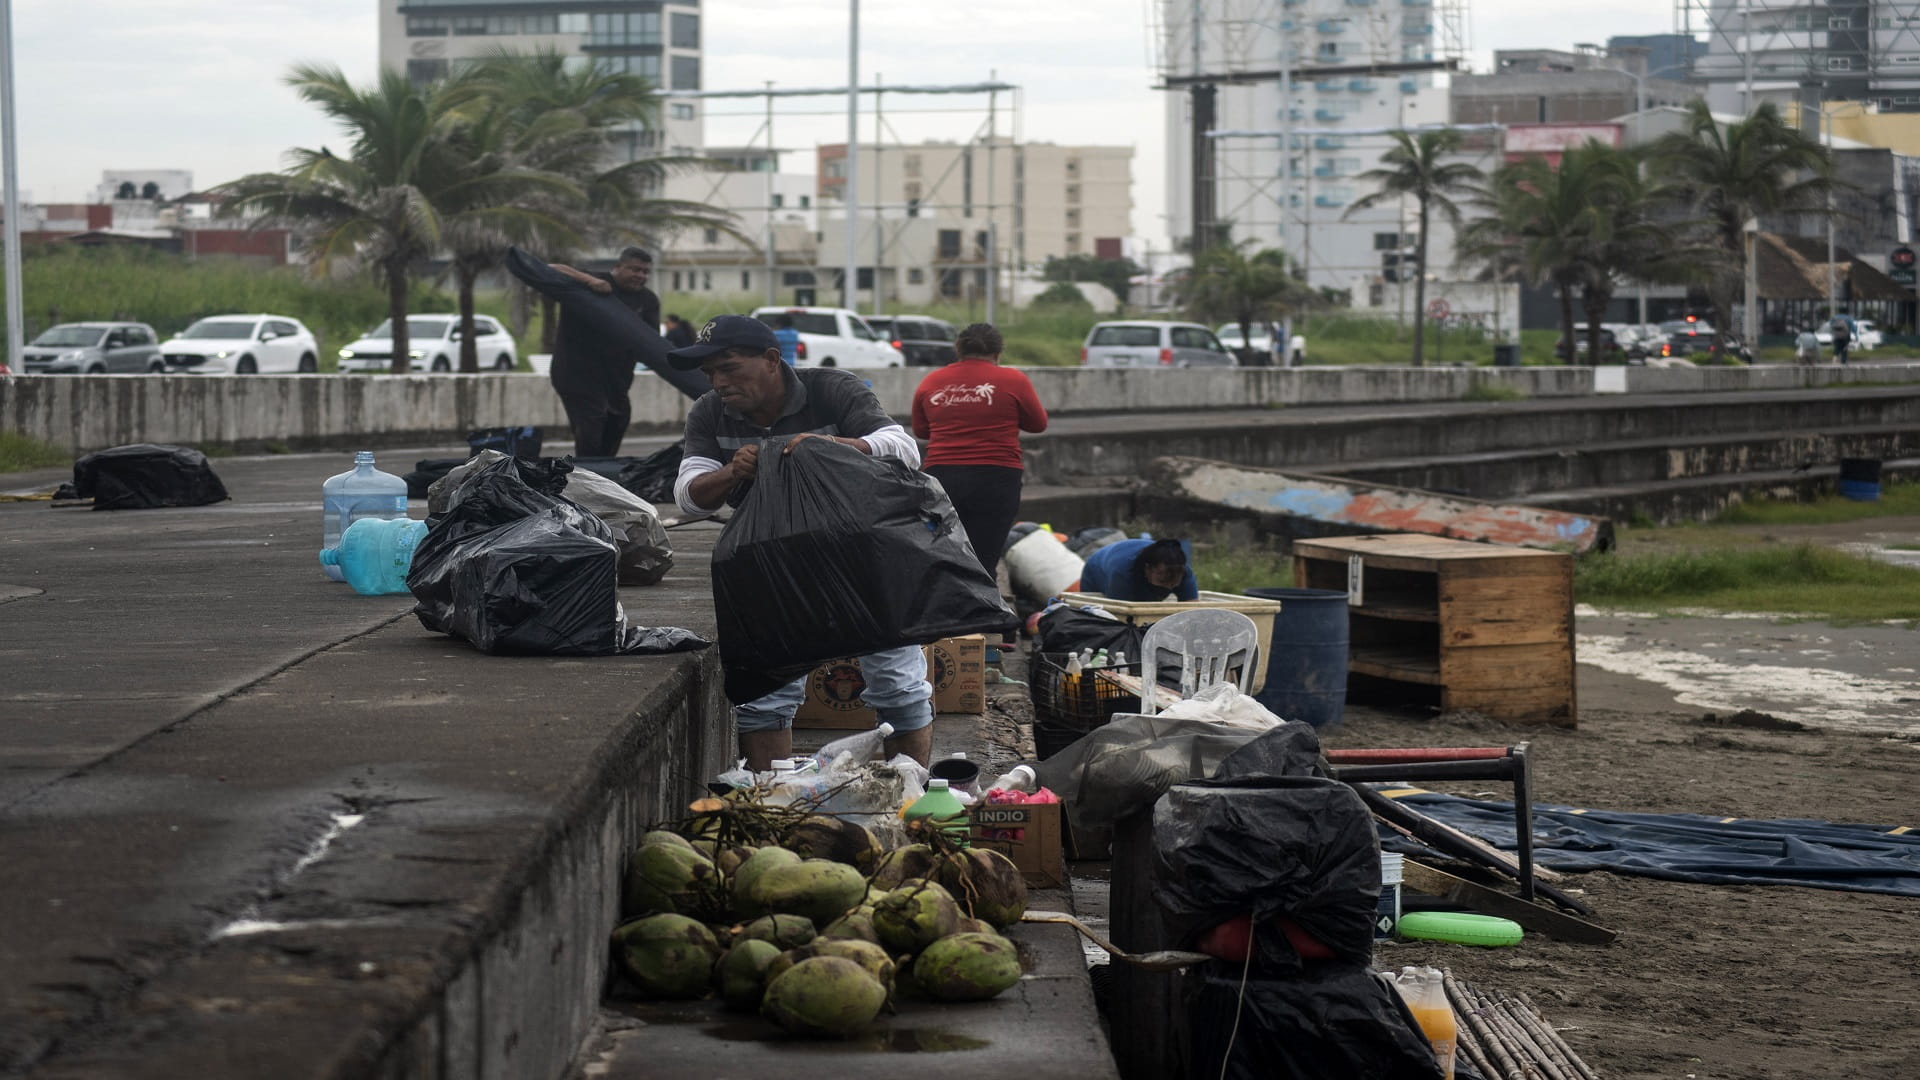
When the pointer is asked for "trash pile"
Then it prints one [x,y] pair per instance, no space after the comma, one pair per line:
[143,476]
[767,900]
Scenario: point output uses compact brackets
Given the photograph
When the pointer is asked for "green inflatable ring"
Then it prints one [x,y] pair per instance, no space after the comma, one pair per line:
[1458,927]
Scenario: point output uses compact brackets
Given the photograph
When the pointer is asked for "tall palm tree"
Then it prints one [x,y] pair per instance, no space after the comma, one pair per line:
[1735,173]
[1228,283]
[1415,166]
[375,206]
[1644,236]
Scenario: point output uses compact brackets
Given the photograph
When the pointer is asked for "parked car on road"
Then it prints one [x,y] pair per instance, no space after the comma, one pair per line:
[1153,344]
[1866,336]
[1693,337]
[835,337]
[1229,335]
[242,345]
[433,343]
[924,340]
[93,348]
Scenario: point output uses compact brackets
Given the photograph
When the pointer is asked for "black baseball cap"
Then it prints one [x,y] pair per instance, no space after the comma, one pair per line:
[724,333]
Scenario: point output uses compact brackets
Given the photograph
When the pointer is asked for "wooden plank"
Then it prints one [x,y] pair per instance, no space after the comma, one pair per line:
[1396,612]
[1501,667]
[1535,918]
[1423,546]
[1506,611]
[1399,663]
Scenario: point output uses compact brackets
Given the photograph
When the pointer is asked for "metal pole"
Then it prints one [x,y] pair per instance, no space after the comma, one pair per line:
[1746,31]
[851,193]
[9,147]
[1833,289]
[993,202]
[773,171]
[879,222]
[1286,125]
[1640,121]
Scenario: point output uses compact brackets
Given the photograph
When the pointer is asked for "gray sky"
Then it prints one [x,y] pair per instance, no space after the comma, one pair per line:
[192,84]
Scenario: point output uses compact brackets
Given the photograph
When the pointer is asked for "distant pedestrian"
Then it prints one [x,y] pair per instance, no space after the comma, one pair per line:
[1842,338]
[789,339]
[971,413]
[679,333]
[1806,347]
[591,375]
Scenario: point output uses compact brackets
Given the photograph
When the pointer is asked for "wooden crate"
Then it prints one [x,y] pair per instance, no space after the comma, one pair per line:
[1490,627]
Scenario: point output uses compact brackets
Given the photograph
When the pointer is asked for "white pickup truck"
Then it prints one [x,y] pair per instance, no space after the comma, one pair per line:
[834,337]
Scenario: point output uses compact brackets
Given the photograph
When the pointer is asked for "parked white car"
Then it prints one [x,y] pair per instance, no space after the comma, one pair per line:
[242,345]
[1147,343]
[1866,336]
[834,337]
[1229,335]
[433,341]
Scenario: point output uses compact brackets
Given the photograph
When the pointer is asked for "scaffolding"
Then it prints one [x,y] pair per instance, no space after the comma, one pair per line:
[1844,50]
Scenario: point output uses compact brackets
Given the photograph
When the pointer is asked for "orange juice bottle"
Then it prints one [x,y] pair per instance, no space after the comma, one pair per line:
[1427,998]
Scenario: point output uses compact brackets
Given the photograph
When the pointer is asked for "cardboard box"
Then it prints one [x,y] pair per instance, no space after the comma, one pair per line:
[1037,851]
[956,667]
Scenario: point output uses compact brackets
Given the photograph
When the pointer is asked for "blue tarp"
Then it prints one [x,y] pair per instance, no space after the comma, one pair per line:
[1694,847]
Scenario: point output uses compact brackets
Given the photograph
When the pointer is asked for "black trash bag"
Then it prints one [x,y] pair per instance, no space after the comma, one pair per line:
[1071,629]
[612,320]
[521,442]
[1337,1022]
[146,476]
[834,553]
[652,477]
[426,471]
[1119,769]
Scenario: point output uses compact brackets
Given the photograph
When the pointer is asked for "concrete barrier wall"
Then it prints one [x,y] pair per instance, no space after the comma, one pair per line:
[88,412]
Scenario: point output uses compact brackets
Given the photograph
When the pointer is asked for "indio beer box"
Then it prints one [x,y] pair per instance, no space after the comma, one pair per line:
[956,667]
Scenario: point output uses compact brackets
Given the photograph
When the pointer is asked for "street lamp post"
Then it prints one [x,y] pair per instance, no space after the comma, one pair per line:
[9,147]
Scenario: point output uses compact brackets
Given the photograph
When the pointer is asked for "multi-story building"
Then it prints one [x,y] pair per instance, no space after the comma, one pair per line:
[1668,56]
[1310,87]
[1786,50]
[770,249]
[658,40]
[1556,86]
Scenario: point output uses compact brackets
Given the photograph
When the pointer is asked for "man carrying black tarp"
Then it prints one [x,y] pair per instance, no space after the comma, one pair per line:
[591,372]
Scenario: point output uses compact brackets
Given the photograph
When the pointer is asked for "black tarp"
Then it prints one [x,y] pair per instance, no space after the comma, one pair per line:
[834,553]
[146,476]
[1070,629]
[608,318]
[1697,847]
[1336,1022]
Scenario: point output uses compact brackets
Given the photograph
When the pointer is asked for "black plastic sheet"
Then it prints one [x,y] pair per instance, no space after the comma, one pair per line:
[146,476]
[426,471]
[835,553]
[1337,1022]
[1071,629]
[652,477]
[521,442]
[607,317]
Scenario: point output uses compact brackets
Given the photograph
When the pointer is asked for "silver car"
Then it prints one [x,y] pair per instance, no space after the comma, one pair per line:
[1153,344]
[94,348]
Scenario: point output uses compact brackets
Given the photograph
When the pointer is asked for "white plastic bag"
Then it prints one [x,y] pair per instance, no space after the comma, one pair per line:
[1223,703]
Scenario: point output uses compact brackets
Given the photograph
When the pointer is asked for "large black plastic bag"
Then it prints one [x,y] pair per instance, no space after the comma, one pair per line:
[1070,629]
[511,566]
[610,319]
[835,553]
[146,476]
[1336,1022]
[645,552]
[652,477]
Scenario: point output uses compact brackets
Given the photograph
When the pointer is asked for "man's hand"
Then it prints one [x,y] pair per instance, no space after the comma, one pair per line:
[746,461]
[600,285]
[858,444]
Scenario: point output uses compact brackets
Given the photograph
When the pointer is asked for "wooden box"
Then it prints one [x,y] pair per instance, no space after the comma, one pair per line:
[1490,627]
[956,667]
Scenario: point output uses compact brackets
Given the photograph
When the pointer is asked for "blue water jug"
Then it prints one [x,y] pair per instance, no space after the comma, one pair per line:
[361,492]
[375,554]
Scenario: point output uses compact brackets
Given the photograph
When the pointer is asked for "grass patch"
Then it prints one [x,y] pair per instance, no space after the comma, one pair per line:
[1896,500]
[21,452]
[1492,391]
[1234,568]
[1802,579]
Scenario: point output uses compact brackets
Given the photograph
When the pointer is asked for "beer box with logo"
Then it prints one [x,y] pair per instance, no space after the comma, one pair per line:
[955,666]
[1027,833]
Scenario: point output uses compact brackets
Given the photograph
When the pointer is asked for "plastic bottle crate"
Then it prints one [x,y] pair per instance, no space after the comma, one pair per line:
[1065,708]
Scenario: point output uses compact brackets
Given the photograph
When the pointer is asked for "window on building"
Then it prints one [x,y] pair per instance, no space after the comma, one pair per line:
[863,278]
[686,31]
[1073,243]
[624,28]
[426,26]
[746,281]
[1839,22]
[910,166]
[1839,63]
[797,277]
[686,73]
[676,281]
[837,169]
[806,201]
[1073,193]
[1073,219]
[779,200]
[1073,166]
[950,283]
[916,276]
[1386,241]
[421,72]
[706,281]
[711,236]
[573,23]
[681,110]
[949,243]
[643,67]
[911,190]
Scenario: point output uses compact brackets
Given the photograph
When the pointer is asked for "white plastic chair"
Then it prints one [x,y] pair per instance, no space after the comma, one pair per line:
[1208,642]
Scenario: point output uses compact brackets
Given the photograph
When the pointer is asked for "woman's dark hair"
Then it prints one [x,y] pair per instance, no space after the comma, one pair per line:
[979,339]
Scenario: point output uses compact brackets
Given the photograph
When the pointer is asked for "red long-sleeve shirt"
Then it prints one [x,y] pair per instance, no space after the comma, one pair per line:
[972,412]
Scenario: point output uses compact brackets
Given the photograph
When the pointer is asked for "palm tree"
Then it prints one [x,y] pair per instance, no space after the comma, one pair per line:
[1415,166]
[1227,283]
[374,207]
[1642,238]
[1735,173]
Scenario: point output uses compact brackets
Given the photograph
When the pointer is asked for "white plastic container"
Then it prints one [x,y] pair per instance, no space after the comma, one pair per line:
[1040,566]
[1387,916]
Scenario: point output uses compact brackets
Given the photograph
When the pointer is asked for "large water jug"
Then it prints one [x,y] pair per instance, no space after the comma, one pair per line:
[361,492]
[375,554]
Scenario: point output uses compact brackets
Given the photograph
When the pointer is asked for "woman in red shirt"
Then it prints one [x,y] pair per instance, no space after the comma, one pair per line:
[971,413]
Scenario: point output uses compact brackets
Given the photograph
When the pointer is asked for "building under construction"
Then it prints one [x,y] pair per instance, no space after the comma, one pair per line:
[1865,51]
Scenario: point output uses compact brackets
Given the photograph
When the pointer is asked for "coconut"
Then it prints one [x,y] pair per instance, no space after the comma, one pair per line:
[986,885]
[662,836]
[914,916]
[750,870]
[896,866]
[820,889]
[967,967]
[824,995]
[740,975]
[855,925]
[780,931]
[669,956]
[865,953]
[667,877]
[730,859]
[822,837]
[971,925]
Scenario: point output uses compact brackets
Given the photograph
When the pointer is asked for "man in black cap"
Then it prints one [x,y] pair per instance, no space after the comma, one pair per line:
[757,396]
[592,374]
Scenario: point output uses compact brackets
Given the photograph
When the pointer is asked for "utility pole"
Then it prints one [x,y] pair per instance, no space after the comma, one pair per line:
[10,147]
[993,201]
[851,193]
[773,170]
[879,203]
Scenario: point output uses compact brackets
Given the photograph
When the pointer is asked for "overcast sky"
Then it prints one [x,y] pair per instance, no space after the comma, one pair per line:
[193,84]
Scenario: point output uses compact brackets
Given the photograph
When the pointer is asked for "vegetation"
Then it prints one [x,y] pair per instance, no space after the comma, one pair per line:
[1489,391]
[1801,579]
[1415,166]
[1062,294]
[1227,284]
[1115,274]
[1896,500]
[21,452]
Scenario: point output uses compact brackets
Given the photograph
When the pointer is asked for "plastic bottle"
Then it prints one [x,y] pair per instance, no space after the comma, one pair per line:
[1119,658]
[864,746]
[1100,658]
[1425,991]
[1086,659]
[361,492]
[375,554]
[940,808]
[1018,778]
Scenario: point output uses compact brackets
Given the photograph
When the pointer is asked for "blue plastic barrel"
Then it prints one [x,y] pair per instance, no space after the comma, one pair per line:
[1860,479]
[1307,664]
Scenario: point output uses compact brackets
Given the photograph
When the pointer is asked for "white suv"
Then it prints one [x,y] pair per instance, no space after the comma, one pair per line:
[834,337]
[433,341]
[242,345]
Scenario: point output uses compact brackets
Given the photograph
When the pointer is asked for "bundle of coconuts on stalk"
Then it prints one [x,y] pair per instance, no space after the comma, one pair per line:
[806,918]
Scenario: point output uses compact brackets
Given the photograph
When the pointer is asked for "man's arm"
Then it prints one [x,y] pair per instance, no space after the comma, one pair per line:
[700,468]
[599,285]
[857,413]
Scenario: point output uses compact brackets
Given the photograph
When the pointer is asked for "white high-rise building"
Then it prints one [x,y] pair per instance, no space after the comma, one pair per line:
[1334,75]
